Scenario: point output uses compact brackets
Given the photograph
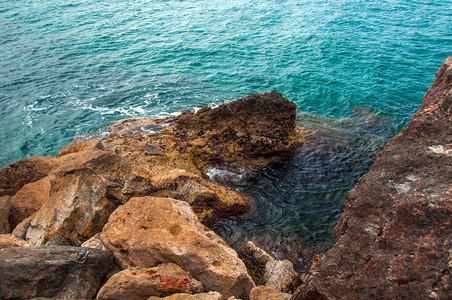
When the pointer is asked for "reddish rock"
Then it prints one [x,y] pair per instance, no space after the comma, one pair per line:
[14,176]
[141,283]
[394,239]
[147,231]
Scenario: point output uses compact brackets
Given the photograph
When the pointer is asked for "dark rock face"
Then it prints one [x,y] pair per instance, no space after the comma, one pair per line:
[52,272]
[394,238]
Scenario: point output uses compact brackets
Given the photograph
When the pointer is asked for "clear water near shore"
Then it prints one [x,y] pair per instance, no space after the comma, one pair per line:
[357,71]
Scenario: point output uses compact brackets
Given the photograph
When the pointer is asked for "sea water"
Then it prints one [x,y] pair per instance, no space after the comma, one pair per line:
[357,71]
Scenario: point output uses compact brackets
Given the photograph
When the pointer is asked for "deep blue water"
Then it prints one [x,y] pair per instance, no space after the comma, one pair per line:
[70,67]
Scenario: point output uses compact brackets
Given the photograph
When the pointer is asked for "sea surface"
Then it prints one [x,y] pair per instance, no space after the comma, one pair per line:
[357,71]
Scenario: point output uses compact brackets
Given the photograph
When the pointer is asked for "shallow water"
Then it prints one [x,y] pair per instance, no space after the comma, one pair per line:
[70,67]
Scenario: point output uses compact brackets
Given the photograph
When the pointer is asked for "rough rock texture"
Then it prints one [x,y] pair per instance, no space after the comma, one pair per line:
[5,210]
[52,272]
[267,293]
[184,296]
[141,283]
[9,241]
[267,270]
[147,231]
[80,200]
[28,200]
[254,126]
[394,239]
[14,176]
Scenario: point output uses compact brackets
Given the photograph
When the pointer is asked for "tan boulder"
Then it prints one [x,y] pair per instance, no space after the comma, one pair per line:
[5,210]
[147,231]
[184,296]
[9,241]
[141,283]
[267,293]
[28,200]
[14,176]
[77,209]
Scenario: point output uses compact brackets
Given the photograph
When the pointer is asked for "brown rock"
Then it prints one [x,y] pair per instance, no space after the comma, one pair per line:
[394,239]
[267,293]
[183,296]
[28,200]
[9,241]
[52,272]
[267,270]
[5,210]
[255,126]
[141,283]
[14,176]
[80,146]
[147,231]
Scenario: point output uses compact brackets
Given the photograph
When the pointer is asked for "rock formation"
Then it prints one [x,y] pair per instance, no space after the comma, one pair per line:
[394,239]
[149,180]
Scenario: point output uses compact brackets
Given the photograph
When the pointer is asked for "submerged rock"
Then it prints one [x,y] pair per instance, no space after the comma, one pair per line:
[394,238]
[52,272]
[147,231]
[141,283]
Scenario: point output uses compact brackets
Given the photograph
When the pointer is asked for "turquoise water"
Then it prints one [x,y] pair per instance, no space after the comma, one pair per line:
[356,69]
[71,67]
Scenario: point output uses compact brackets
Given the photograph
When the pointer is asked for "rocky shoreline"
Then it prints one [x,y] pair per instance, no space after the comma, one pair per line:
[127,216]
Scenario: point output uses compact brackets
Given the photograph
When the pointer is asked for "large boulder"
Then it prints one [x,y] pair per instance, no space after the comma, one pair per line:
[394,239]
[141,283]
[14,176]
[52,272]
[147,231]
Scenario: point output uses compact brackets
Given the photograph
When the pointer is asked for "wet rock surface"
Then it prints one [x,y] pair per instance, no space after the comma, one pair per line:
[393,240]
[52,272]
